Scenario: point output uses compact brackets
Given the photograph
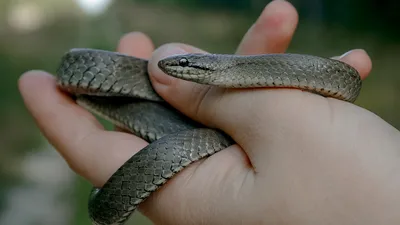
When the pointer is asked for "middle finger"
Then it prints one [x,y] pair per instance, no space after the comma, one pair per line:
[273,30]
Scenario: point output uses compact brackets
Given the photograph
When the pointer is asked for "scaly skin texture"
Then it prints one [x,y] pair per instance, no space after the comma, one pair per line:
[327,77]
[117,88]
[103,73]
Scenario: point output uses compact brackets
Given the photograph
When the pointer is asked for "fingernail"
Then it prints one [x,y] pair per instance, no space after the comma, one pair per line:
[159,76]
[345,54]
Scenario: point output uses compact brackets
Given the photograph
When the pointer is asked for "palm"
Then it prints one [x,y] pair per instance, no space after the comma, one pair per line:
[298,151]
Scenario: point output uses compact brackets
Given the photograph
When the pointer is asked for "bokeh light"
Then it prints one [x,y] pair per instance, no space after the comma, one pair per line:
[93,7]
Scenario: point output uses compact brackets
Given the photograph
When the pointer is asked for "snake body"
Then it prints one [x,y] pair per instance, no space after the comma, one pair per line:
[117,87]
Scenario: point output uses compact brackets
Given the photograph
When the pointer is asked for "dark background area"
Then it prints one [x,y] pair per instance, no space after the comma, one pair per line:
[34,34]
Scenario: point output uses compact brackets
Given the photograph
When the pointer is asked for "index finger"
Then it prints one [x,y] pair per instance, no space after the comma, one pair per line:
[73,131]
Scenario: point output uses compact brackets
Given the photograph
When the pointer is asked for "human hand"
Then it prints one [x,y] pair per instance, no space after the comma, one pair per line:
[286,145]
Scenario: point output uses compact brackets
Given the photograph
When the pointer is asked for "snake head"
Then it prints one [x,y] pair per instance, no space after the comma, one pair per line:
[193,67]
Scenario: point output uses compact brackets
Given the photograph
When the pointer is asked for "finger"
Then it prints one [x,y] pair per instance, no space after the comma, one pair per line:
[358,59]
[177,92]
[136,44]
[248,116]
[89,150]
[273,30]
[74,132]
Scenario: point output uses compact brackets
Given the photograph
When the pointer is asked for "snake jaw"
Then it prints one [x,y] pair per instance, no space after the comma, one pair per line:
[191,67]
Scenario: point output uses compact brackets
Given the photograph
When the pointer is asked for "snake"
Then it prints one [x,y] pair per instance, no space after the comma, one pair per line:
[117,87]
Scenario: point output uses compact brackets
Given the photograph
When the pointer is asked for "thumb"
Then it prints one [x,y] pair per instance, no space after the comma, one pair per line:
[252,117]
[185,96]
[242,114]
[199,102]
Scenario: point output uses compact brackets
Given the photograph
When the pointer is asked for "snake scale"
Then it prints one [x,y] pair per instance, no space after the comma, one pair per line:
[117,88]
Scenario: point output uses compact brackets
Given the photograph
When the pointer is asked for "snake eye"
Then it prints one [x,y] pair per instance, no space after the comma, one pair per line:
[183,62]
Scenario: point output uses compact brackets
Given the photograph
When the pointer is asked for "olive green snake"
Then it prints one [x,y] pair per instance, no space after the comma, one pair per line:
[117,87]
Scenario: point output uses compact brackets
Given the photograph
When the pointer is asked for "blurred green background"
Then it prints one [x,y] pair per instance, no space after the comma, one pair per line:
[38,187]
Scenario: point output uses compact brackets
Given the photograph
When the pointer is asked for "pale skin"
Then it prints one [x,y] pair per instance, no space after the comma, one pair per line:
[300,158]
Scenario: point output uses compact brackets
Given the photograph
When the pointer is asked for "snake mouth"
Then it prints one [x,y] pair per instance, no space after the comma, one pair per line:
[168,65]
[191,67]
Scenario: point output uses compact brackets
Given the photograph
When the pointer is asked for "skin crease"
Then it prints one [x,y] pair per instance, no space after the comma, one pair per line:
[303,159]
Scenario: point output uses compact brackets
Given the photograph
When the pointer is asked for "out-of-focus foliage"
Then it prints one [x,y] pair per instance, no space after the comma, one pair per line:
[35,33]
[371,15]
